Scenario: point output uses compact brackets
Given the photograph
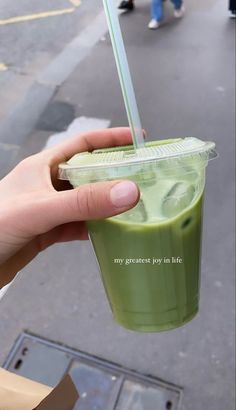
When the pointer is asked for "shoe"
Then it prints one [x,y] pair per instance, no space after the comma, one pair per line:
[126,5]
[178,13]
[153,24]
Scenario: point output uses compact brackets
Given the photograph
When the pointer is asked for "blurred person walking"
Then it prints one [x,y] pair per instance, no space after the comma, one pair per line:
[157,12]
[232,7]
[127,5]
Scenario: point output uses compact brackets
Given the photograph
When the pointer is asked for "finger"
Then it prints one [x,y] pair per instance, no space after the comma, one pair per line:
[91,201]
[64,233]
[74,231]
[88,142]
[17,262]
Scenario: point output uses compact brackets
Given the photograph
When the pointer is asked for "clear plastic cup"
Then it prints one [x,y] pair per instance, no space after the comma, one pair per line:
[150,256]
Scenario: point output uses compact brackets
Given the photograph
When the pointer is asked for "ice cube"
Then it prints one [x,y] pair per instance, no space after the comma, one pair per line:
[137,214]
[177,199]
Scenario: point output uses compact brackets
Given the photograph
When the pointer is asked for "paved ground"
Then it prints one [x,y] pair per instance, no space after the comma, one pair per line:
[27,47]
[184,77]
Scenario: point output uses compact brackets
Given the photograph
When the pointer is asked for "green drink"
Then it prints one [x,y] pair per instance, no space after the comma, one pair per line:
[149,257]
[151,271]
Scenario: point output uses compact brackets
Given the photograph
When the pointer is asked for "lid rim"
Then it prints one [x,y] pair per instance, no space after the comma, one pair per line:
[206,147]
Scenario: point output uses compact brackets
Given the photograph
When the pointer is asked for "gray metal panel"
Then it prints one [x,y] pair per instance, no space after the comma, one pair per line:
[39,362]
[137,396]
[102,385]
[95,386]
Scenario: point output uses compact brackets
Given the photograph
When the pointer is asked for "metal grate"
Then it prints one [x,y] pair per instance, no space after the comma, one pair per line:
[102,385]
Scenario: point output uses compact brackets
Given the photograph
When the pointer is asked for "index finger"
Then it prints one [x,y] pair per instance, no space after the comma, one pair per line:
[88,142]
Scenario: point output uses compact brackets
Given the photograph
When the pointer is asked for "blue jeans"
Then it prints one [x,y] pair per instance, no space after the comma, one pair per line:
[157,8]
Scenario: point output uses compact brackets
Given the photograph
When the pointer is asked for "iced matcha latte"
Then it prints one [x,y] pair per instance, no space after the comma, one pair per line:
[150,256]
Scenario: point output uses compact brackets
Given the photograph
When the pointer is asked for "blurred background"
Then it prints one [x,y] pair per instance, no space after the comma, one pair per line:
[58,78]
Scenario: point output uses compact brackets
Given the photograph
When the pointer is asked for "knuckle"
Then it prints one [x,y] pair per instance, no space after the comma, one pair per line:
[26,163]
[23,165]
[86,202]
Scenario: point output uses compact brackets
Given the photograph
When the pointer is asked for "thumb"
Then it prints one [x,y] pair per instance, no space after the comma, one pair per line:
[91,201]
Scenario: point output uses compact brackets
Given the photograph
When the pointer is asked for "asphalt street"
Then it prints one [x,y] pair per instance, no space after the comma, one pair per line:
[26,47]
[184,76]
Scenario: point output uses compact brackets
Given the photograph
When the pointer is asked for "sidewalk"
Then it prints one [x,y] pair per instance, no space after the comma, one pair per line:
[184,79]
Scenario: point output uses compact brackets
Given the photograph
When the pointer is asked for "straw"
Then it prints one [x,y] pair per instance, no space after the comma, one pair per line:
[124,73]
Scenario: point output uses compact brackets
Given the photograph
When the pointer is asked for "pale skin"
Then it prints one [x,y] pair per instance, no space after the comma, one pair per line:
[37,210]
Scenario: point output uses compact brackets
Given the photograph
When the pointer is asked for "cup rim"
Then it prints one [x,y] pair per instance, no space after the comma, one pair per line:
[207,148]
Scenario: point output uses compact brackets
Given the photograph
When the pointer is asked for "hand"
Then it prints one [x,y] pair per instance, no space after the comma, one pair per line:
[36,209]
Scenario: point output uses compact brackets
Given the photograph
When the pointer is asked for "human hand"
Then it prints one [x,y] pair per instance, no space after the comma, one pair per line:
[37,210]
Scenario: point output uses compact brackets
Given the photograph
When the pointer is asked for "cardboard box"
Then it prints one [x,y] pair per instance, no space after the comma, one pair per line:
[19,393]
